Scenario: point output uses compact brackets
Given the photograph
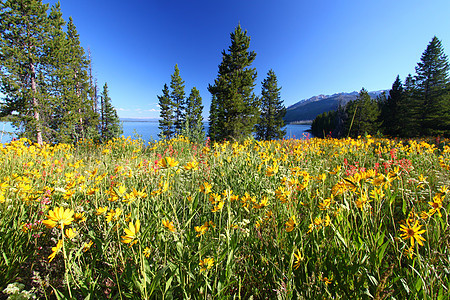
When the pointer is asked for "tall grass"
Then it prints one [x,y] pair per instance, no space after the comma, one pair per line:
[360,219]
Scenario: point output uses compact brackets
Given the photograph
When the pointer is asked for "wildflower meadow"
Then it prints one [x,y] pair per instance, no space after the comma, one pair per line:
[364,218]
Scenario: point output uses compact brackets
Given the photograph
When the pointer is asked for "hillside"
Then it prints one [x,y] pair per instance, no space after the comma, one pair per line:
[308,109]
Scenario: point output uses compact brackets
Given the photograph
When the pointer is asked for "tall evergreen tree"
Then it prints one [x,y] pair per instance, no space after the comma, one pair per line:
[409,109]
[166,114]
[23,37]
[178,100]
[193,127]
[79,88]
[271,123]
[44,74]
[111,126]
[390,109]
[432,83]
[362,115]
[234,106]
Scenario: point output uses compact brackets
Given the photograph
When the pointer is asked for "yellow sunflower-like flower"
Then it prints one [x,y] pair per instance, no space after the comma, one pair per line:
[55,250]
[168,162]
[412,232]
[59,216]
[290,224]
[101,210]
[131,232]
[79,217]
[206,188]
[202,229]
[168,225]
[298,259]
[206,264]
[87,246]
[193,165]
[71,233]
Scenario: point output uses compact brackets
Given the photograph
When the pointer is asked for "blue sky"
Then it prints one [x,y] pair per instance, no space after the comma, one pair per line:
[315,47]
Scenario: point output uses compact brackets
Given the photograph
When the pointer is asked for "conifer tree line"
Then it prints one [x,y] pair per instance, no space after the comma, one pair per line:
[180,115]
[49,89]
[236,112]
[419,106]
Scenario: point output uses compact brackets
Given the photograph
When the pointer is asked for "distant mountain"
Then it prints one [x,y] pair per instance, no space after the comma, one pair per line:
[309,109]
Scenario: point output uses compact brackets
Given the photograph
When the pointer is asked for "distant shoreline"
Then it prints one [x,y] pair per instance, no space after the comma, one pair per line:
[302,122]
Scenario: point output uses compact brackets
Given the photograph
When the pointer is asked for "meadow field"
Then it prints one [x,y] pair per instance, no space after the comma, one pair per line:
[288,219]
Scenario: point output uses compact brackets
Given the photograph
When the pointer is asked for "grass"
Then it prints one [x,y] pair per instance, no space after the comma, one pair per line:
[361,219]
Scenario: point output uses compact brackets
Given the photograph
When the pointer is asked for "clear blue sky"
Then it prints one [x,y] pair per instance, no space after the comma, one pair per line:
[315,46]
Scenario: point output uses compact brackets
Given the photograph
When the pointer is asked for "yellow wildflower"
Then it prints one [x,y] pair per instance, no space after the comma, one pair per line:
[55,250]
[290,224]
[202,229]
[147,252]
[131,232]
[218,207]
[206,188]
[168,162]
[412,232]
[193,165]
[206,264]
[298,259]
[101,210]
[59,216]
[71,233]
[168,225]
[272,170]
[87,246]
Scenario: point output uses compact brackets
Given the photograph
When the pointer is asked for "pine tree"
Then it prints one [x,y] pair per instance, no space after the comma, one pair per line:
[362,115]
[271,123]
[390,109]
[81,105]
[234,107]
[111,126]
[23,36]
[409,110]
[44,74]
[432,83]
[166,114]
[178,100]
[193,127]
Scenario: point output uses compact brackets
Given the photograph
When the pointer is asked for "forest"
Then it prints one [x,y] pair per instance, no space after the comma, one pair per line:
[50,92]
[417,107]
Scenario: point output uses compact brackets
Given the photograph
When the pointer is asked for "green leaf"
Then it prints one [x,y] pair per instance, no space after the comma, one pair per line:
[418,284]
[381,252]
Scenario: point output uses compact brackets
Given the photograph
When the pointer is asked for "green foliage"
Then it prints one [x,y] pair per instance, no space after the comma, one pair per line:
[234,107]
[178,100]
[165,114]
[110,123]
[432,86]
[272,111]
[362,115]
[23,37]
[193,127]
[290,219]
[419,107]
[44,74]
[324,124]
[390,109]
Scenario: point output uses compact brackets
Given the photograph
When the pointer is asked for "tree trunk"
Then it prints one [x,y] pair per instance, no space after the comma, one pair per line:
[35,105]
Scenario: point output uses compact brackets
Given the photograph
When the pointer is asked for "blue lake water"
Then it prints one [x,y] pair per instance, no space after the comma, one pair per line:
[148,131]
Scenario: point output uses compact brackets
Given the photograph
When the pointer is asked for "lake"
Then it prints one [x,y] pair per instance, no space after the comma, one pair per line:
[148,130]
